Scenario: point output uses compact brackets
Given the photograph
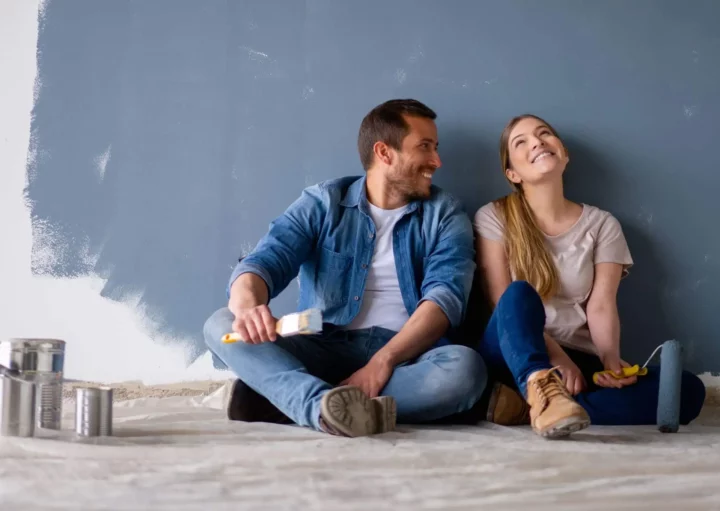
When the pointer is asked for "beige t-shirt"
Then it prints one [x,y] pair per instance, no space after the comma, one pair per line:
[596,237]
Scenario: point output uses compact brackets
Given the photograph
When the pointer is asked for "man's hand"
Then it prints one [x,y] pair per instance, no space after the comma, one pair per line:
[255,325]
[572,377]
[253,320]
[372,378]
[613,362]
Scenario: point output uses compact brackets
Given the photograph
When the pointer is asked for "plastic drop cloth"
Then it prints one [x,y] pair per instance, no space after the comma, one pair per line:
[181,454]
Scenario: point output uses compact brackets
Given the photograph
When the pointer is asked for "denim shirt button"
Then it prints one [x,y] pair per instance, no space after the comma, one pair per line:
[356,298]
[371,235]
[364,266]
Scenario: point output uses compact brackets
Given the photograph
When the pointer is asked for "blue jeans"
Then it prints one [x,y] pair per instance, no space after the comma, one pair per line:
[294,372]
[514,347]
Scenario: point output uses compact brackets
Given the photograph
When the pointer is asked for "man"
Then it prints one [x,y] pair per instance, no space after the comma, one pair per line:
[389,259]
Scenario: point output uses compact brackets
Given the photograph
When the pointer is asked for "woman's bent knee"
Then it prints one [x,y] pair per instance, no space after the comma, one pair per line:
[522,293]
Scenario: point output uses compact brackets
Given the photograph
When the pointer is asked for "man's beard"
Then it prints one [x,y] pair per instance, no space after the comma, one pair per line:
[404,182]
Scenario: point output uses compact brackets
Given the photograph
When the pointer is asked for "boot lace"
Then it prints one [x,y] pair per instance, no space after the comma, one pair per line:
[549,387]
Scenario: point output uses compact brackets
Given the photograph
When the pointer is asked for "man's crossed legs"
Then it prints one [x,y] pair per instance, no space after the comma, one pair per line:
[298,375]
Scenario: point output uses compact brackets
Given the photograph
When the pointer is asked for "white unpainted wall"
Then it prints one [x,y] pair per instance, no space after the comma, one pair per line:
[107,341]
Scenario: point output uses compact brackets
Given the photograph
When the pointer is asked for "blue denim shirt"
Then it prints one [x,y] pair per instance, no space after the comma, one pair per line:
[327,237]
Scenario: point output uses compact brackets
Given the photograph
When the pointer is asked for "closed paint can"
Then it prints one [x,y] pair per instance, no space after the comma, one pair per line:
[106,412]
[93,411]
[40,361]
[17,405]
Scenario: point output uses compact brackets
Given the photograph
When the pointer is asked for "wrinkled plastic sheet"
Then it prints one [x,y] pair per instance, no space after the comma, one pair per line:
[181,453]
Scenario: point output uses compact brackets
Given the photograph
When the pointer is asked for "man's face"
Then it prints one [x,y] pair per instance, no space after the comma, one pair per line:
[410,173]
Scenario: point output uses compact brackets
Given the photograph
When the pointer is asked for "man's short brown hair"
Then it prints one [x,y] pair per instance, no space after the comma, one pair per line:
[385,123]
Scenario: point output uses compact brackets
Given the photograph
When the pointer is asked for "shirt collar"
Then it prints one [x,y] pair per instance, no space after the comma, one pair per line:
[356,197]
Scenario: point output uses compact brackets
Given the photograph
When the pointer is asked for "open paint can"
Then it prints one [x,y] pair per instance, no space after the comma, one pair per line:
[40,361]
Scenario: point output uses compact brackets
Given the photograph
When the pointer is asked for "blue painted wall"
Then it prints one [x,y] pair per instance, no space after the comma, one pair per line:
[217,113]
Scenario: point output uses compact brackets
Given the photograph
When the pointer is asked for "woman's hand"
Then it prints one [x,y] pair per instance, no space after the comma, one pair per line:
[572,378]
[613,362]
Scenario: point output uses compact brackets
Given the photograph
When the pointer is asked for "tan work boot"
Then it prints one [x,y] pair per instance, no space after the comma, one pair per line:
[553,411]
[507,407]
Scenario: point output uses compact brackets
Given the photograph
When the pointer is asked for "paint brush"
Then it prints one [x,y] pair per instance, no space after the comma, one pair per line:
[298,323]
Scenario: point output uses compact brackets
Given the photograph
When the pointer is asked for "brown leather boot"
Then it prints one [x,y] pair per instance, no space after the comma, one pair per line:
[553,411]
[507,407]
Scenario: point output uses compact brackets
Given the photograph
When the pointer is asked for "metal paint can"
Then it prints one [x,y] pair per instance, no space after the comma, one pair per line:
[93,411]
[106,412]
[40,361]
[17,405]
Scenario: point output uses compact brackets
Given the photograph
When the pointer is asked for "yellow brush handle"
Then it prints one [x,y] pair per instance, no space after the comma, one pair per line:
[230,338]
[235,337]
[627,372]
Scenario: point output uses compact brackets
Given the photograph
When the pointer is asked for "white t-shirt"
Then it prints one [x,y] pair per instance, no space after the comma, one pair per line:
[596,237]
[382,303]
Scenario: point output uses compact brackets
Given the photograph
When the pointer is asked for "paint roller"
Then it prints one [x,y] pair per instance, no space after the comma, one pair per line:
[668,408]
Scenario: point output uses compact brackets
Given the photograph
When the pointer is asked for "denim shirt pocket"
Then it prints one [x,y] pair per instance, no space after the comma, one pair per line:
[333,277]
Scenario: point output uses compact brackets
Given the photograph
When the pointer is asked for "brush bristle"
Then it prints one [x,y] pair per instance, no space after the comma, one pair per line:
[310,321]
[306,322]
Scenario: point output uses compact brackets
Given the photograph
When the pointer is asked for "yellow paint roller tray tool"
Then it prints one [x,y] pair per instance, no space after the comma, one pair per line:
[635,370]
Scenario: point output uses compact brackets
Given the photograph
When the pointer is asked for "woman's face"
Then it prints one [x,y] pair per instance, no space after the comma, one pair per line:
[535,153]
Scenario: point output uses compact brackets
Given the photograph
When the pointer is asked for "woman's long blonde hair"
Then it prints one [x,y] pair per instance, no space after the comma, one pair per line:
[525,247]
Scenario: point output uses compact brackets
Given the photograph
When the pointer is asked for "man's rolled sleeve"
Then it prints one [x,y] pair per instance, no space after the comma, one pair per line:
[448,303]
[450,267]
[244,267]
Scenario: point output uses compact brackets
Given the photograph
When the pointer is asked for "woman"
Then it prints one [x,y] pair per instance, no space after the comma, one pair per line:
[555,266]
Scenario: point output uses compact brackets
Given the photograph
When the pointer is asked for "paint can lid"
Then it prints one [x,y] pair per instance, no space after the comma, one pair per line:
[34,344]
